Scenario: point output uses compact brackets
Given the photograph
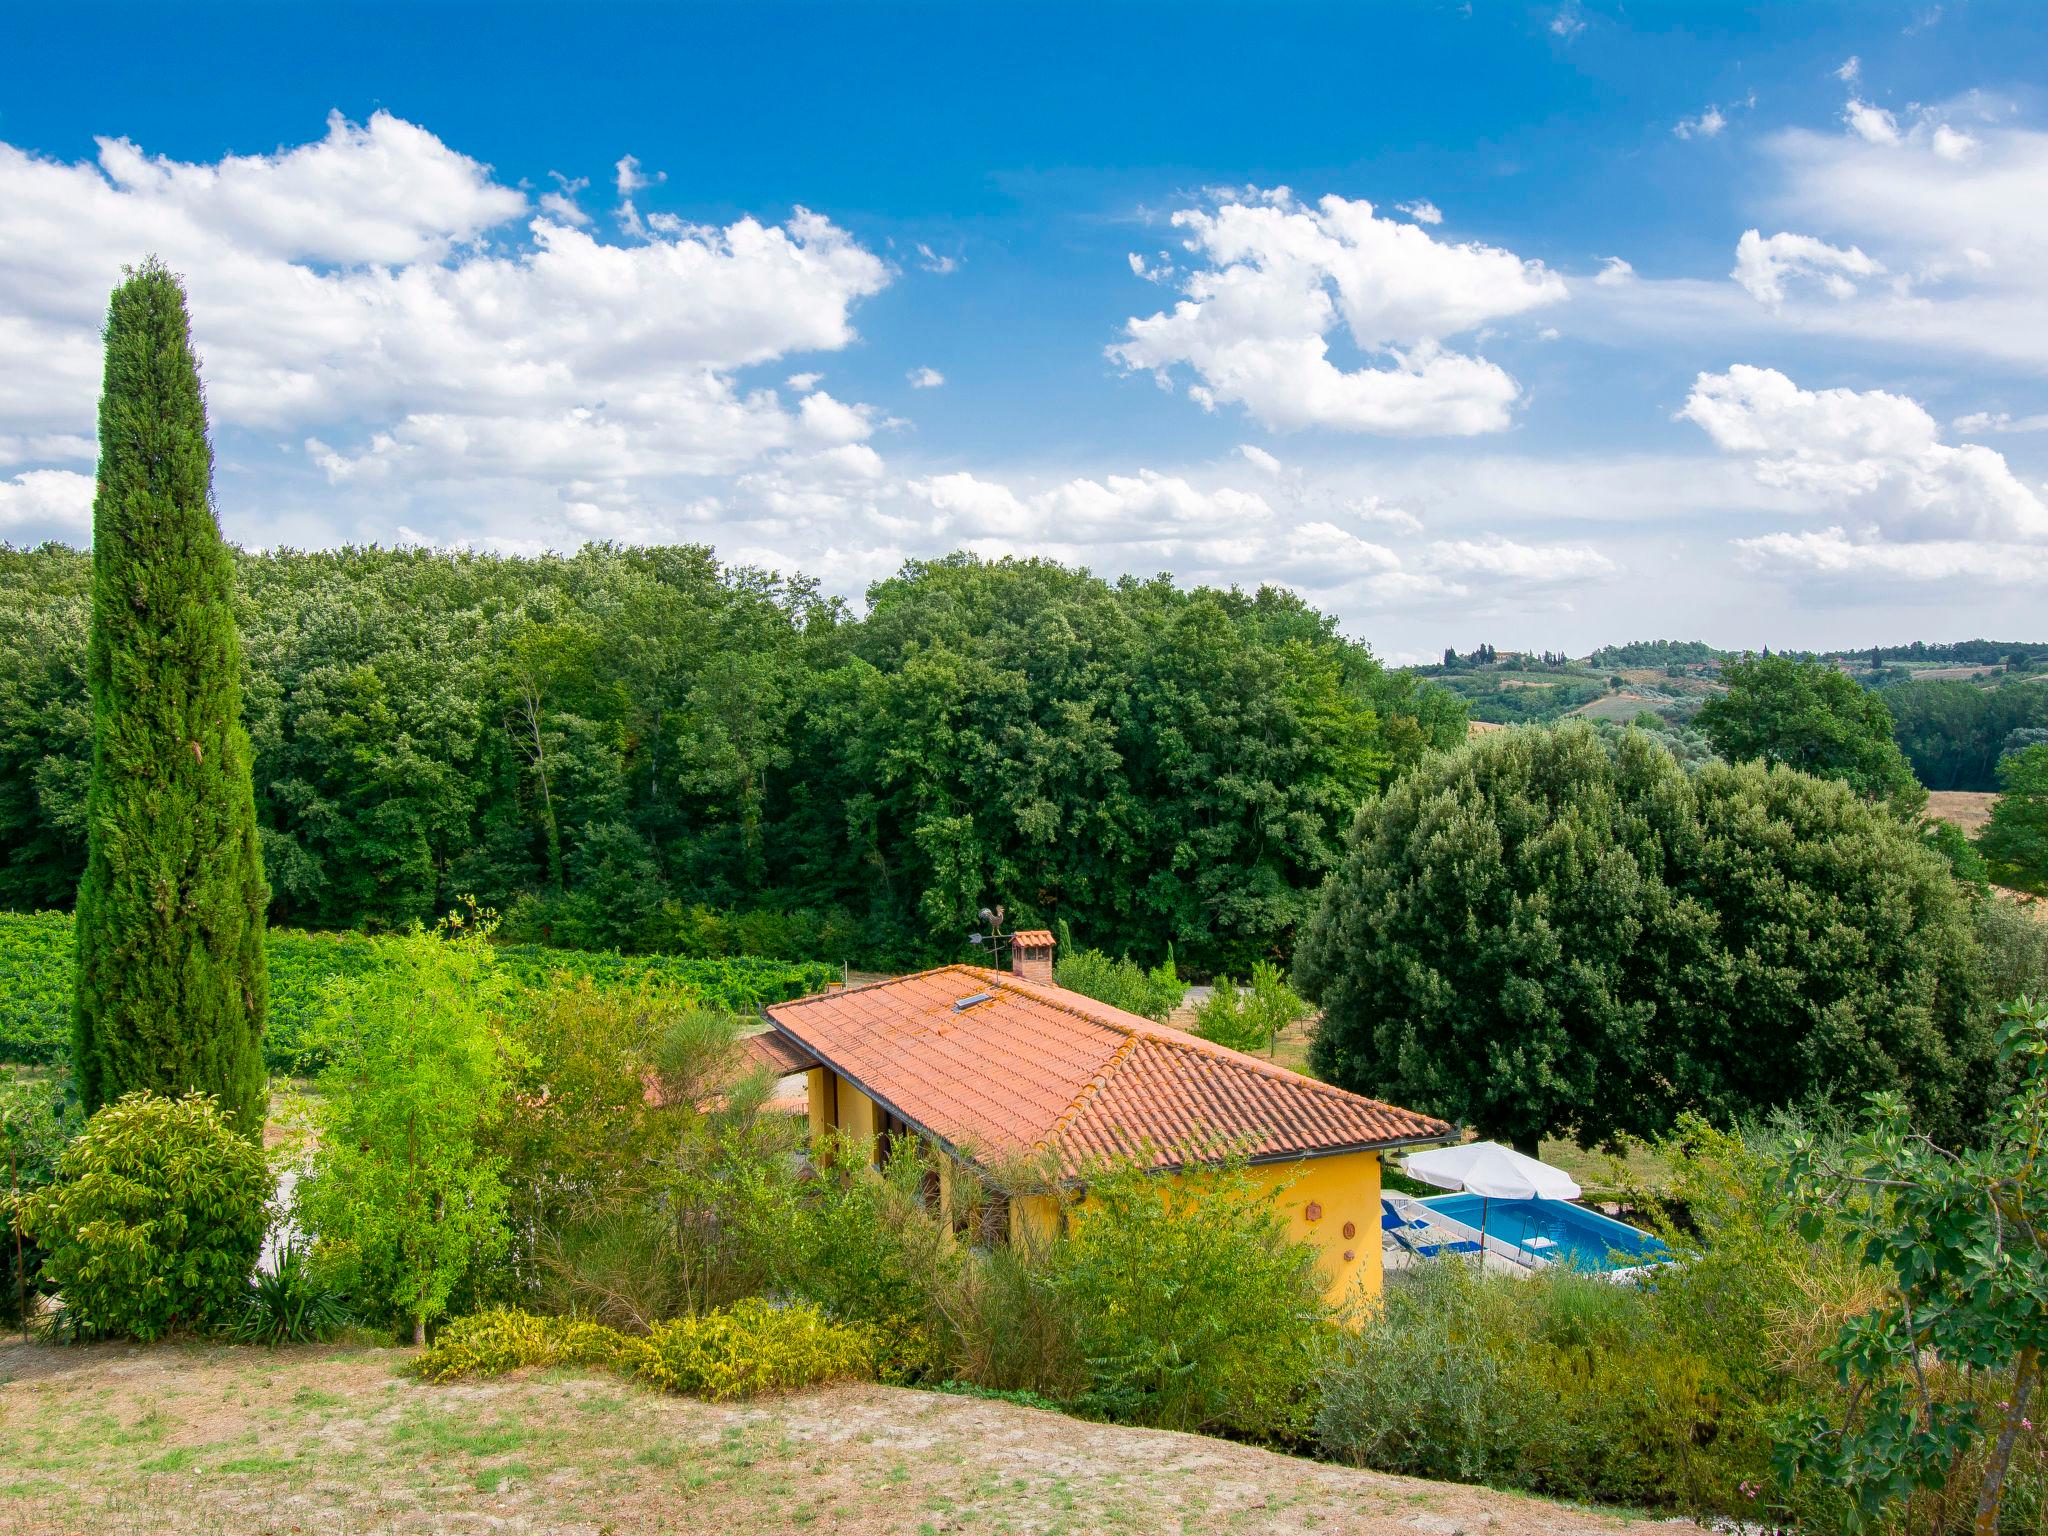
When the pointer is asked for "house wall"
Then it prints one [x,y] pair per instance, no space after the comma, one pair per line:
[834,1103]
[1341,1189]
[1344,1188]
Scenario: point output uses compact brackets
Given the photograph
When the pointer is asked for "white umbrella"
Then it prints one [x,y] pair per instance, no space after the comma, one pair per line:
[1492,1172]
[1487,1168]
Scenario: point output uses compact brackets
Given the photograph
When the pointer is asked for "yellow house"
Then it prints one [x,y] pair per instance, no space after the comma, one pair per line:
[997,1069]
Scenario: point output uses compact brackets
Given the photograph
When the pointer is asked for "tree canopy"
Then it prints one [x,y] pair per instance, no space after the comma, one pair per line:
[1810,716]
[1954,732]
[1556,932]
[171,982]
[629,746]
[2015,843]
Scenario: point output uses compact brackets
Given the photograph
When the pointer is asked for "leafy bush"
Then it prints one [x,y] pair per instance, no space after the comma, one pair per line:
[1962,1320]
[739,1351]
[1417,1390]
[504,1339]
[292,1303]
[155,1221]
[867,1249]
[1251,1018]
[1122,983]
[1189,1303]
[750,1348]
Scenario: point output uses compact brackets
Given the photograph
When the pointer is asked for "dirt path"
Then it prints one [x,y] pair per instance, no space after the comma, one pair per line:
[184,1440]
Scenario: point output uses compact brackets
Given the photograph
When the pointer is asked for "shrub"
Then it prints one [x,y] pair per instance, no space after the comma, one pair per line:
[155,1220]
[502,1339]
[1122,983]
[1250,1019]
[744,1350]
[35,1124]
[1189,1303]
[1416,1390]
[1558,1382]
[867,1250]
[750,1348]
[291,1303]
[400,1173]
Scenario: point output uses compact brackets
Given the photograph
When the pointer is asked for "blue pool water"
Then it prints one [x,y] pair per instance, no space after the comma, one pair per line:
[1555,1230]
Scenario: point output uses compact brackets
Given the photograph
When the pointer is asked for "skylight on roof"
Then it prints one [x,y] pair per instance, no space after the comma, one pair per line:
[966,1003]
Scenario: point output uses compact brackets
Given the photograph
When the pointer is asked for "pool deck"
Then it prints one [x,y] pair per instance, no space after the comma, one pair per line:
[1395,1258]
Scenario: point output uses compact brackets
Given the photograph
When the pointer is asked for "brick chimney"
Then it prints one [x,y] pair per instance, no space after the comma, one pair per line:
[1031,955]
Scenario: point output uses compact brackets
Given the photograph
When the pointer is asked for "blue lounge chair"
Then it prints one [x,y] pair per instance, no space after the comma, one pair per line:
[1403,1230]
[1391,1220]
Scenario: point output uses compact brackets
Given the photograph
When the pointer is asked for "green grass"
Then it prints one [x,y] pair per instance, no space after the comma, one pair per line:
[196,1439]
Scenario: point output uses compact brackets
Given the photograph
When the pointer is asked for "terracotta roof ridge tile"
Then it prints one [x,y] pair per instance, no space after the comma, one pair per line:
[1089,1090]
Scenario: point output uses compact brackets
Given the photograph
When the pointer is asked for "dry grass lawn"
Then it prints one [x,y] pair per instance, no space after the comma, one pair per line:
[229,1441]
[1969,809]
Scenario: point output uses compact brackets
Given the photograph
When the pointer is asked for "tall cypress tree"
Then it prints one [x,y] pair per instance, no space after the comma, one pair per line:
[171,987]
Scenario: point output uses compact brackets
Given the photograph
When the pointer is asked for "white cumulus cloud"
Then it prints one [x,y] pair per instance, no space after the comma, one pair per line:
[1873,125]
[46,504]
[1280,276]
[1876,460]
[926,378]
[385,296]
[1762,265]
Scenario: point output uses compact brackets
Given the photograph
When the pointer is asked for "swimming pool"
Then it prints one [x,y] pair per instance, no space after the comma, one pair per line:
[1555,1230]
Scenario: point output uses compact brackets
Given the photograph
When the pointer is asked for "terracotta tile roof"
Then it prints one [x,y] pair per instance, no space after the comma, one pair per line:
[997,1067]
[1032,938]
[777,1052]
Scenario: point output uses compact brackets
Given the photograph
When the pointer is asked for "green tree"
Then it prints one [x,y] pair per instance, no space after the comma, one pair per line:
[171,988]
[1953,732]
[1548,933]
[1250,1018]
[1122,983]
[402,1190]
[1498,941]
[1810,716]
[1962,1243]
[2016,841]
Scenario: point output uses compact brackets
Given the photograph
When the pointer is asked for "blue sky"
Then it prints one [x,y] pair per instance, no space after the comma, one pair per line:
[1449,316]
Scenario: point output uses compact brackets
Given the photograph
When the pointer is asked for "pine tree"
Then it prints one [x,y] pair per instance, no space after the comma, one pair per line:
[171,983]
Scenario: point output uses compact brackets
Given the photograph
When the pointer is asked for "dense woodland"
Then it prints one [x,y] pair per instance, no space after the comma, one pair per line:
[1954,732]
[645,749]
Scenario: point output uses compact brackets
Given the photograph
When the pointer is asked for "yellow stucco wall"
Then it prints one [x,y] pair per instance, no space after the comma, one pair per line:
[1338,1190]
[1346,1188]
